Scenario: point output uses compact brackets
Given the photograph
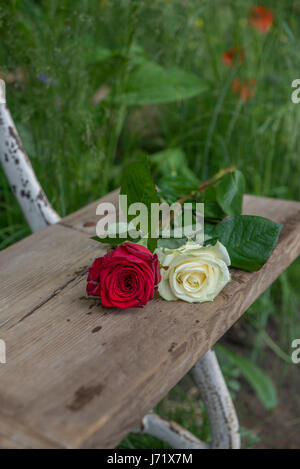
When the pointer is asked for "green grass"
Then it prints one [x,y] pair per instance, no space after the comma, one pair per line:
[78,148]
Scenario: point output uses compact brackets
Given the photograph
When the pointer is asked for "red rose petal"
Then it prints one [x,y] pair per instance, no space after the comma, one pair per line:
[125,277]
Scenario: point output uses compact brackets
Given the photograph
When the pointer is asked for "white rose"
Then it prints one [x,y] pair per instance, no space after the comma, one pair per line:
[192,272]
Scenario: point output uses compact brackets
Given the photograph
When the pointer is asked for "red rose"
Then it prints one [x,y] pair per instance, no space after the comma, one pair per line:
[125,277]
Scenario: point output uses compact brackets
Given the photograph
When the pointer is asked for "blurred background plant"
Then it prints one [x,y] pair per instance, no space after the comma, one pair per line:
[196,85]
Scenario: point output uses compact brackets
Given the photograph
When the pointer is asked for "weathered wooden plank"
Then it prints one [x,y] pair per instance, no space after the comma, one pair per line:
[78,375]
[14,435]
[85,219]
[41,266]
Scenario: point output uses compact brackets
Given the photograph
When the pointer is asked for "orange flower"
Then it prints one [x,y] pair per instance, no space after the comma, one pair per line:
[232,56]
[261,18]
[244,89]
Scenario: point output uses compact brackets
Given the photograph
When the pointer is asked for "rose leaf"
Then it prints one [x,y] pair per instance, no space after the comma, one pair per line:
[249,240]
[229,192]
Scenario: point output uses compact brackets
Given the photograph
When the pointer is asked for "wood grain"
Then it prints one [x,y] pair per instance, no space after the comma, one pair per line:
[82,376]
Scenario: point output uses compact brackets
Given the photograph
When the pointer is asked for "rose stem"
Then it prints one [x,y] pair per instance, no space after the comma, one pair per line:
[210,182]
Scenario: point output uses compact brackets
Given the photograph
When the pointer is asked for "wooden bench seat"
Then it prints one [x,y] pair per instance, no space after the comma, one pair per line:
[78,375]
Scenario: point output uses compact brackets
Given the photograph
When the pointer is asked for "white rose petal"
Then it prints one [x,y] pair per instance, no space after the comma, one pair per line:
[192,272]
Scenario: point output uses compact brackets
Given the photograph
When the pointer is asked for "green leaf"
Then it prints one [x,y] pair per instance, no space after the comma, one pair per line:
[171,243]
[173,188]
[249,240]
[260,381]
[115,232]
[149,83]
[107,240]
[212,210]
[138,185]
[96,53]
[229,191]
[209,229]
[210,241]
[173,161]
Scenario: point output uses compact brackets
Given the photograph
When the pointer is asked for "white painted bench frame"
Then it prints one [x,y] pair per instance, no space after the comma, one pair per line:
[207,374]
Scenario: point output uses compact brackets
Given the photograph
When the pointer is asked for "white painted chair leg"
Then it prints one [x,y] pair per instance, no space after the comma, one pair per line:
[169,432]
[21,177]
[221,413]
